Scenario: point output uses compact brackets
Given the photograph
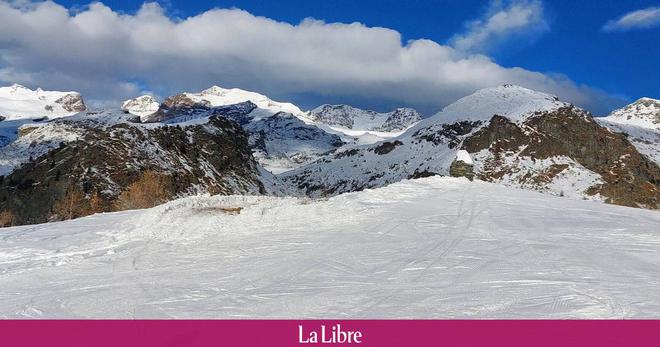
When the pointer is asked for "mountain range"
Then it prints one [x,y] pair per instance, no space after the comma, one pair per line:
[230,141]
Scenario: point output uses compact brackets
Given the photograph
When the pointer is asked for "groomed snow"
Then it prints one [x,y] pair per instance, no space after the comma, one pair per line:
[428,248]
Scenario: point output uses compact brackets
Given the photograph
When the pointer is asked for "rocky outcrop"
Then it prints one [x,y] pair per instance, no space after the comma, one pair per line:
[462,166]
[399,119]
[180,108]
[72,102]
[104,161]
[626,177]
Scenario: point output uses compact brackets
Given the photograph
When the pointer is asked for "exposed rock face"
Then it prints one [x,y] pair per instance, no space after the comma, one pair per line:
[462,166]
[461,169]
[400,119]
[72,102]
[561,141]
[280,141]
[339,115]
[103,161]
[180,108]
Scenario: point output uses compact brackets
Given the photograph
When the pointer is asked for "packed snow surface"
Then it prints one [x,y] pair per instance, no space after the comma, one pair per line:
[427,248]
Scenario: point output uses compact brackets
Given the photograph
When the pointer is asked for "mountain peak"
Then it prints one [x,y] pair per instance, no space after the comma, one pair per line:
[511,101]
[646,100]
[20,102]
[142,106]
[354,118]
[219,96]
[645,113]
[17,86]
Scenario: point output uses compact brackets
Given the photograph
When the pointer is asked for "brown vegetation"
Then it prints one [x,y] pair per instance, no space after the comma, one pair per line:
[7,218]
[227,210]
[148,191]
[72,205]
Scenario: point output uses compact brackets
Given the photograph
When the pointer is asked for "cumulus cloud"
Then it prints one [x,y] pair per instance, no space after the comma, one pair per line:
[110,55]
[503,21]
[640,19]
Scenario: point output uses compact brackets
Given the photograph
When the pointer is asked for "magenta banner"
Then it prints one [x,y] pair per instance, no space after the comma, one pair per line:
[273,333]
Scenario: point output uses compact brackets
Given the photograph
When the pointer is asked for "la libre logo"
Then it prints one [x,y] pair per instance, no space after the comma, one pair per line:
[332,335]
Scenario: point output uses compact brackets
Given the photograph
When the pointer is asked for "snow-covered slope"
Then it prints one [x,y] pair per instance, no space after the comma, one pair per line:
[426,148]
[427,248]
[348,117]
[644,113]
[142,106]
[283,142]
[516,136]
[513,102]
[18,102]
[362,126]
[646,140]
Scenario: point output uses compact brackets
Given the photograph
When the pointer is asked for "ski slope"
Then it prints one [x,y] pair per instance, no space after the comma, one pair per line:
[428,248]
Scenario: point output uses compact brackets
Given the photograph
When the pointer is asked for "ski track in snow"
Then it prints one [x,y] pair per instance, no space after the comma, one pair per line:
[428,248]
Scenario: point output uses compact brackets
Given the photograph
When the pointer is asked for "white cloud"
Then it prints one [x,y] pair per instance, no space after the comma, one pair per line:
[640,19]
[106,54]
[503,21]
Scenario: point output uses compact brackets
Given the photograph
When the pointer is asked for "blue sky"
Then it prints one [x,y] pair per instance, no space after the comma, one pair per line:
[606,64]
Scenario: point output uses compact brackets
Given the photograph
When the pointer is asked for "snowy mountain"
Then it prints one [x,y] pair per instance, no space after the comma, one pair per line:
[643,113]
[348,117]
[640,122]
[142,106]
[515,136]
[20,105]
[218,96]
[430,248]
[97,162]
[283,142]
[280,136]
[19,102]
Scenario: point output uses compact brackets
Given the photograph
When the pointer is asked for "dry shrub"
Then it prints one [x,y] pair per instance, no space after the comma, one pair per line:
[148,191]
[72,205]
[227,210]
[95,203]
[7,218]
